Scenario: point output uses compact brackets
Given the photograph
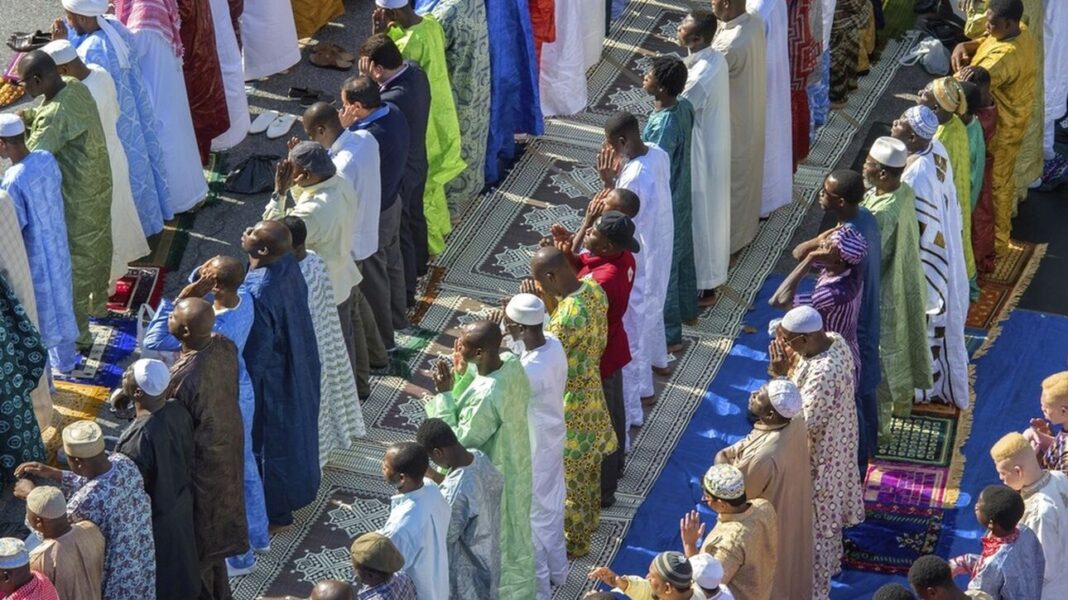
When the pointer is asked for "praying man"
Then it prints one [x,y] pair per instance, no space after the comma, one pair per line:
[778,185]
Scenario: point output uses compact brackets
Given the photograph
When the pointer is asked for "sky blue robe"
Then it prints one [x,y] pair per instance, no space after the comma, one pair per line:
[34,186]
[137,126]
[283,362]
[515,103]
[235,324]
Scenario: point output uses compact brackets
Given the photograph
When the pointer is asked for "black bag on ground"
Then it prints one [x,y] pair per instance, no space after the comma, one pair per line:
[254,175]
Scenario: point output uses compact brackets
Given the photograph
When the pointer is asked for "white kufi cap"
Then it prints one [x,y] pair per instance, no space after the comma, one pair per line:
[785,397]
[889,151]
[152,376]
[47,502]
[707,570]
[13,553]
[83,439]
[526,309]
[61,51]
[802,319]
[923,121]
[11,125]
[391,3]
[725,482]
[86,8]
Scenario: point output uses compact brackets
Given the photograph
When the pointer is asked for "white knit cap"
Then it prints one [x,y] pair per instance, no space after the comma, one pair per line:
[889,151]
[391,3]
[152,376]
[11,125]
[707,570]
[785,397]
[526,309]
[802,319]
[13,553]
[61,51]
[47,502]
[923,121]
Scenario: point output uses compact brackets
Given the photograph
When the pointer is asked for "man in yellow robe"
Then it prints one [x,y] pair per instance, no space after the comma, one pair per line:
[1009,53]
[312,15]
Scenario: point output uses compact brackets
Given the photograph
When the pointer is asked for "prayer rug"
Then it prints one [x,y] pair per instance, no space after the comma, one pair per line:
[893,536]
[114,338]
[139,286]
[998,287]
[71,402]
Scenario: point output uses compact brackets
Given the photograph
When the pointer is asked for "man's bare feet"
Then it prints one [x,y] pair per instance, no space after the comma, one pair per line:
[273,529]
[672,348]
[662,371]
[708,299]
[649,401]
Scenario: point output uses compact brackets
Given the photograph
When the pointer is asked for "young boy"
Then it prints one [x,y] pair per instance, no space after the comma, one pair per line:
[1011,564]
[1052,449]
[670,126]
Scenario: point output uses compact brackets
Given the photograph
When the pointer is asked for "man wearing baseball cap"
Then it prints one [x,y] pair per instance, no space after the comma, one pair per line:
[774,461]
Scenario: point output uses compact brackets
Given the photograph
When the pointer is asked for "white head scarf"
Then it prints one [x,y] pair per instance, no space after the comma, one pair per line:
[99,8]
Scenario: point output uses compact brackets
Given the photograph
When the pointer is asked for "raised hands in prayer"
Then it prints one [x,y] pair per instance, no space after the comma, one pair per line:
[608,166]
[379,20]
[59,29]
[692,530]
[292,143]
[1039,434]
[348,115]
[363,66]
[529,286]
[962,55]
[441,375]
[607,577]
[781,357]
[283,177]
[204,284]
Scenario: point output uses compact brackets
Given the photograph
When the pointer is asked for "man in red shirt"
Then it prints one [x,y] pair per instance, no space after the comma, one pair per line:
[610,262]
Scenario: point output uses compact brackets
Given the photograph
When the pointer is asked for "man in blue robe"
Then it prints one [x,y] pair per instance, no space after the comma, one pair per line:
[515,104]
[104,41]
[33,182]
[283,362]
[220,281]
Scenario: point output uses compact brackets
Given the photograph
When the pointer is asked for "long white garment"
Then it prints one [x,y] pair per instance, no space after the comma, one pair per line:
[268,39]
[340,415]
[162,74]
[591,18]
[355,154]
[546,369]
[562,76]
[127,237]
[1055,49]
[778,153]
[418,525]
[233,76]
[1046,513]
[649,177]
[942,254]
[707,88]
[828,20]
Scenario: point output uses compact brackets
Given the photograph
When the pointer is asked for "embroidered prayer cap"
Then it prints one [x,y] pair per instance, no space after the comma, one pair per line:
[725,482]
[674,568]
[391,3]
[890,152]
[375,551]
[47,502]
[852,246]
[526,309]
[707,570]
[313,158]
[922,120]
[949,94]
[802,319]
[13,553]
[785,397]
[152,376]
[86,8]
[11,125]
[83,439]
[61,51]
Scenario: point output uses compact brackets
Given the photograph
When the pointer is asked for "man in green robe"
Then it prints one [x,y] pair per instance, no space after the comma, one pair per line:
[467,55]
[903,349]
[421,39]
[67,124]
[487,408]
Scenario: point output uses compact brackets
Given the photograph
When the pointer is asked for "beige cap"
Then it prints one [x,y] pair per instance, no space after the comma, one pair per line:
[375,551]
[83,439]
[47,502]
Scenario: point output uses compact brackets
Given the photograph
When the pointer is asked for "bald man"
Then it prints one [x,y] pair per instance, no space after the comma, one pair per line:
[204,381]
[580,322]
[283,362]
[484,398]
[220,281]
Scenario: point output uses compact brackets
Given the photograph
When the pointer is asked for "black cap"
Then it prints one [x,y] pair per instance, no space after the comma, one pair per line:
[619,229]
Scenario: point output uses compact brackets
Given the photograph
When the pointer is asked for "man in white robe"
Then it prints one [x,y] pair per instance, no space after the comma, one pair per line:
[154,26]
[930,175]
[741,40]
[268,38]
[545,362]
[233,76]
[127,237]
[562,76]
[644,169]
[1055,49]
[707,89]
[778,156]
[591,14]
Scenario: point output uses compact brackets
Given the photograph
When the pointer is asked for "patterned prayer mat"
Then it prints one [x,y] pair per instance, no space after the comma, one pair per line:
[998,287]
[71,402]
[894,535]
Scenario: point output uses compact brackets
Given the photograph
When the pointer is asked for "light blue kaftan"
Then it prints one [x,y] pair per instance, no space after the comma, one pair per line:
[34,187]
[234,323]
[474,538]
[515,102]
[137,125]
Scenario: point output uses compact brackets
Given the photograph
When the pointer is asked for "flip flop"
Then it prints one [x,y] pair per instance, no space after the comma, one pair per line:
[280,126]
[300,92]
[263,121]
[314,97]
[337,50]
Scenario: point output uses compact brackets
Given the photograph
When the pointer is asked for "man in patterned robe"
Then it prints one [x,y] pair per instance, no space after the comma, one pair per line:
[821,365]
